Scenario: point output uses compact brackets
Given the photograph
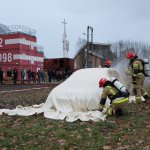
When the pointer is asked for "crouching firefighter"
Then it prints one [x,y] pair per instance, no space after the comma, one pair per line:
[118,95]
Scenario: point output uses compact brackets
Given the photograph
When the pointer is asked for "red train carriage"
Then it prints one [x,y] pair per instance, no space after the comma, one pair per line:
[59,64]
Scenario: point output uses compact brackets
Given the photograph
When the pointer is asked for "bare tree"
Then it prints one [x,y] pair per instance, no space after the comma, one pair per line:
[80,59]
[80,43]
[120,48]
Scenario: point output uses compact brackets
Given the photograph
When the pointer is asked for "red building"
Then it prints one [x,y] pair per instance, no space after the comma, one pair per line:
[19,50]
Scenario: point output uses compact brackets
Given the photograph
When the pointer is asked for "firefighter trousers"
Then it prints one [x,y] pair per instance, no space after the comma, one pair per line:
[117,107]
[138,88]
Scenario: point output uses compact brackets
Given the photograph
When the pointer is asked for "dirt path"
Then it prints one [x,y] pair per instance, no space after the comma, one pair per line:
[25,95]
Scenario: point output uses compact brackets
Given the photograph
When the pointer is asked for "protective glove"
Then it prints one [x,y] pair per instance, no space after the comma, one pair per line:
[126,94]
[101,108]
[104,111]
[146,75]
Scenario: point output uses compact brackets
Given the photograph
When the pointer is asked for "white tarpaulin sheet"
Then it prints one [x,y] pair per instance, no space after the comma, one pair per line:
[76,98]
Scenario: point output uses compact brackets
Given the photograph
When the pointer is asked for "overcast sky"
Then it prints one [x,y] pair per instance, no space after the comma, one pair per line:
[111,20]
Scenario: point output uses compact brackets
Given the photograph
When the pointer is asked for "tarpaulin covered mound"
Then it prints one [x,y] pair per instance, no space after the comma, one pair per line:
[76,98]
[79,93]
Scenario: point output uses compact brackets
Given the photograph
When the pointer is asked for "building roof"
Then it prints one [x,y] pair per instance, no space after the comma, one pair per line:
[16,29]
[94,43]
[4,29]
[106,44]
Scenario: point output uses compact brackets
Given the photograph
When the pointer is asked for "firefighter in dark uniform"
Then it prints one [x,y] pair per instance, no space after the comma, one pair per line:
[118,101]
[137,77]
[107,64]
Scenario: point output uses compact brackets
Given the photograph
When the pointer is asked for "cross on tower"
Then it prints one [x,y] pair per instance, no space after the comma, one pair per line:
[65,42]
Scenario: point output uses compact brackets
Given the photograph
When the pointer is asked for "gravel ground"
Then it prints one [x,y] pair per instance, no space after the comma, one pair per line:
[25,95]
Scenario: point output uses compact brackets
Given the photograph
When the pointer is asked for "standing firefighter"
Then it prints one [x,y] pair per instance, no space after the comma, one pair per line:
[118,98]
[138,77]
[107,63]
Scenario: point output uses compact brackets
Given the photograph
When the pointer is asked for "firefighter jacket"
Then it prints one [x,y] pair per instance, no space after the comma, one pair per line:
[137,68]
[111,92]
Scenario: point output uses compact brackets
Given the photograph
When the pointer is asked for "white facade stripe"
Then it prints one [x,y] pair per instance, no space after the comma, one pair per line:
[20,41]
[27,57]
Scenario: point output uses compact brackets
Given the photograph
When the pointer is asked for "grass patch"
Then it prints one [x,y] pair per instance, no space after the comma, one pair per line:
[38,133]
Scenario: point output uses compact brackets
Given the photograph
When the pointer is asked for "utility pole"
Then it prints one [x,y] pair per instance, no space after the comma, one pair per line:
[65,42]
[91,38]
[89,28]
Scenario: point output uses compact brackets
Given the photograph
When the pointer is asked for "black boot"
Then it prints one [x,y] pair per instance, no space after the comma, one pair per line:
[118,112]
[146,97]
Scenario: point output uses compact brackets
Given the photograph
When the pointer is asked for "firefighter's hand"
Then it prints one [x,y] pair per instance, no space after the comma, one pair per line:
[101,108]
[146,75]
[104,111]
